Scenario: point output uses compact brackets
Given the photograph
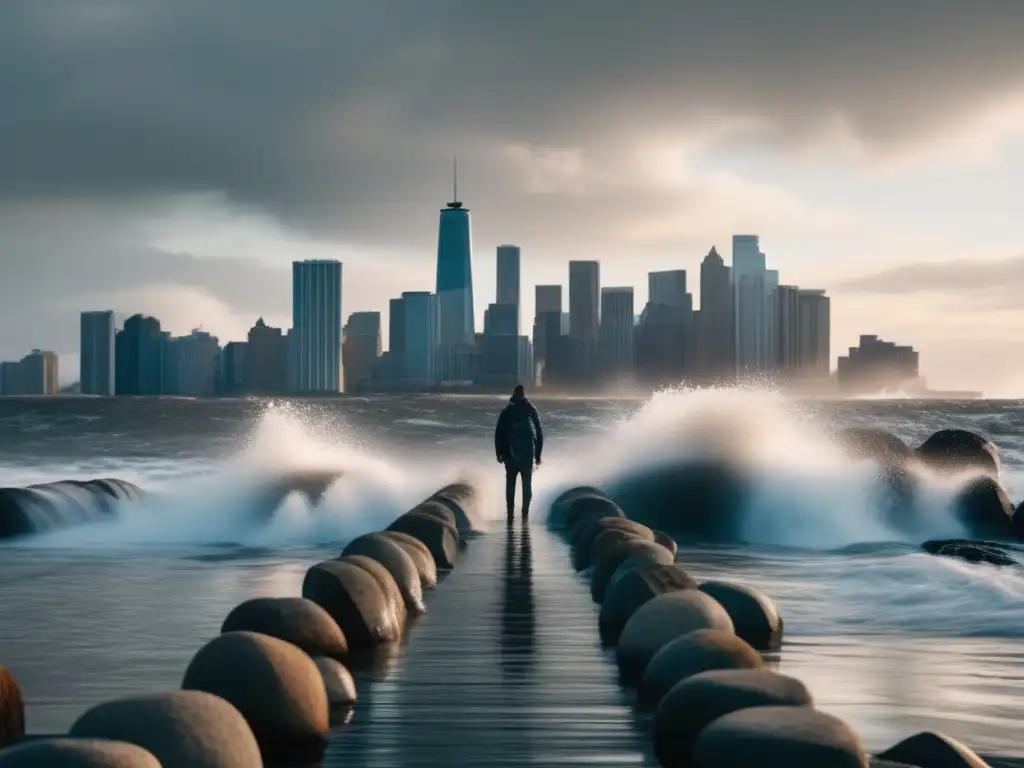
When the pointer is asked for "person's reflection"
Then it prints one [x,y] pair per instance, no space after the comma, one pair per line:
[517,610]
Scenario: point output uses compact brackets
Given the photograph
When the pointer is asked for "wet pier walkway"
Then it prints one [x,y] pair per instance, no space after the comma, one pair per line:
[505,669]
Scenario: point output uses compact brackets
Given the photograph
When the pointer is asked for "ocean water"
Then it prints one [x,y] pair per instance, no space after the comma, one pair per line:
[885,636]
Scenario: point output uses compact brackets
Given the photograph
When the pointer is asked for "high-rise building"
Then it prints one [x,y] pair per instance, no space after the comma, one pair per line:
[456,323]
[232,368]
[266,360]
[527,374]
[875,365]
[751,307]
[716,357]
[617,324]
[139,357]
[419,367]
[39,373]
[190,369]
[396,327]
[508,270]
[667,287]
[787,303]
[316,318]
[360,349]
[10,378]
[96,347]
[815,332]
[547,298]
[547,303]
[584,315]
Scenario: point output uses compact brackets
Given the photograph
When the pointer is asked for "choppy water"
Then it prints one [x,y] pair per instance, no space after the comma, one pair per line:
[892,639]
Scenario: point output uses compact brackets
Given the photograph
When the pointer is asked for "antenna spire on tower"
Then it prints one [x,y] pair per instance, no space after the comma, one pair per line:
[455,183]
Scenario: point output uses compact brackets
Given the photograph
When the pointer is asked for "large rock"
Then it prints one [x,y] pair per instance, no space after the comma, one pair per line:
[690,654]
[77,753]
[295,620]
[441,538]
[779,736]
[610,561]
[418,552]
[586,533]
[754,615]
[931,750]
[355,601]
[702,500]
[952,451]
[874,444]
[586,509]
[181,728]
[646,558]
[275,685]
[984,509]
[637,586]
[384,577]
[12,709]
[660,621]
[433,508]
[399,564]
[693,704]
[341,688]
[461,500]
[558,508]
[970,551]
[609,540]
[667,542]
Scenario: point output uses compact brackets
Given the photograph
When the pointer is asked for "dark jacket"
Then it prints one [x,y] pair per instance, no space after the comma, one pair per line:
[516,410]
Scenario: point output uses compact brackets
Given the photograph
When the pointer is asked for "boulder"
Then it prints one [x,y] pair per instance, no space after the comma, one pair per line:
[608,540]
[754,615]
[667,542]
[693,704]
[440,538]
[384,580]
[586,533]
[434,508]
[179,728]
[587,509]
[418,552]
[783,736]
[656,556]
[690,654]
[398,563]
[461,500]
[12,709]
[952,451]
[355,601]
[984,509]
[275,685]
[660,621]
[970,551]
[558,508]
[341,688]
[77,753]
[701,500]
[610,561]
[874,444]
[295,620]
[632,590]
[932,750]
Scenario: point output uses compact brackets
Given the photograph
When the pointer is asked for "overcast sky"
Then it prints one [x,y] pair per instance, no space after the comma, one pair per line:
[174,156]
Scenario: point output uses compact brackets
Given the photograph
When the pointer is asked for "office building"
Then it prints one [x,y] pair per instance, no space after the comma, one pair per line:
[508,271]
[787,303]
[547,303]
[396,327]
[38,373]
[231,369]
[10,378]
[456,319]
[815,332]
[316,320]
[96,348]
[527,372]
[716,357]
[139,357]
[753,306]
[667,287]
[190,369]
[616,344]
[361,349]
[875,365]
[547,298]
[419,369]
[265,365]
[584,316]
[501,363]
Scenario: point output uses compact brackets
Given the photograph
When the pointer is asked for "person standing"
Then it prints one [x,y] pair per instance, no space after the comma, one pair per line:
[518,444]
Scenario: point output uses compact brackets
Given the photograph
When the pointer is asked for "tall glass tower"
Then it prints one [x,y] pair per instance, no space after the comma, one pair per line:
[316,325]
[455,274]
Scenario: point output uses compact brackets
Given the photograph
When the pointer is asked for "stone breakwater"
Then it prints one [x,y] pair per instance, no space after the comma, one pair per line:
[693,653]
[277,678]
[46,506]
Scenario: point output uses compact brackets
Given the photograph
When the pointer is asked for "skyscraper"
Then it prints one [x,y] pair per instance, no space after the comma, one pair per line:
[39,375]
[265,363]
[616,331]
[419,368]
[716,357]
[316,319]
[96,346]
[548,298]
[456,324]
[361,348]
[750,306]
[547,324]
[667,287]
[190,367]
[584,314]
[787,304]
[815,332]
[507,290]
[140,356]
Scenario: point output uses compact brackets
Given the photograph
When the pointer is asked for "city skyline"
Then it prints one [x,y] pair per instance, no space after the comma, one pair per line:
[899,201]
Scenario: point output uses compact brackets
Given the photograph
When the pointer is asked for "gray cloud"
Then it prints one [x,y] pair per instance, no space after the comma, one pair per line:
[341,117]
